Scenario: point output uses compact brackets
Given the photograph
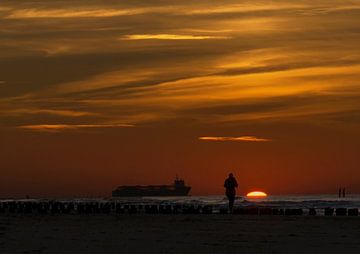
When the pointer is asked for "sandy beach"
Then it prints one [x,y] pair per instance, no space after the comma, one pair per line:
[178,234]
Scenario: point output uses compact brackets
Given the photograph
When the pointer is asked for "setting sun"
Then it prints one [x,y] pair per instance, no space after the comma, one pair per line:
[256,194]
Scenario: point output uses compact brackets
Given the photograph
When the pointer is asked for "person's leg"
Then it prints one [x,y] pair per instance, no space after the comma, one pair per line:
[231,202]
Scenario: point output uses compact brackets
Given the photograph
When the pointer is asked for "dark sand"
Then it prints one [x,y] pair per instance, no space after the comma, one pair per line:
[178,234]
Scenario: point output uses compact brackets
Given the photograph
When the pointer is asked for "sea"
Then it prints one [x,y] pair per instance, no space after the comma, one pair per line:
[305,202]
[274,201]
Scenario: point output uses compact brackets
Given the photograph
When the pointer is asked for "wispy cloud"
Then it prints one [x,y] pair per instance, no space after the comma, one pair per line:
[56,112]
[242,138]
[34,13]
[63,127]
[171,37]
[190,69]
[4,8]
[242,8]
[101,12]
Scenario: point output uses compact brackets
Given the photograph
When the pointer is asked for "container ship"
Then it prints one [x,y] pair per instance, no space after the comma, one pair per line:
[178,188]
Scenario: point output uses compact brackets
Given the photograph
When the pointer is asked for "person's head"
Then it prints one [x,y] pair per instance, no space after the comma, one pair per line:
[231,175]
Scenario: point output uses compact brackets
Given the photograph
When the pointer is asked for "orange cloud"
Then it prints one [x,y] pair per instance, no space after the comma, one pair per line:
[33,13]
[56,112]
[242,138]
[62,127]
[170,37]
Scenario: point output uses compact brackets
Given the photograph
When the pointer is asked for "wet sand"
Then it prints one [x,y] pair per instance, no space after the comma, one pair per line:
[178,234]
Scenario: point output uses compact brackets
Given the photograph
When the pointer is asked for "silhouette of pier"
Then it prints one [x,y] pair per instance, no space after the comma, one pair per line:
[115,207]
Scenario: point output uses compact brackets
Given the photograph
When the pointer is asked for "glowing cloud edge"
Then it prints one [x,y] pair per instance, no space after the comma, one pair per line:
[61,127]
[170,37]
[241,138]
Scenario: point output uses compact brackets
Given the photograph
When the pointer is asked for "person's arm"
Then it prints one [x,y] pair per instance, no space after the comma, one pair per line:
[235,183]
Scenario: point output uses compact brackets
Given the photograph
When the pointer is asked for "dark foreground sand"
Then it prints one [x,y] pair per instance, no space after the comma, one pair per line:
[178,234]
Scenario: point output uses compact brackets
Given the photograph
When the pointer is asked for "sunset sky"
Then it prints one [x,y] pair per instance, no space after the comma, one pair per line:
[96,94]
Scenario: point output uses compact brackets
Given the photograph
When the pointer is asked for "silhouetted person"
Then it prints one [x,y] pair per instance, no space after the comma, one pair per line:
[340,192]
[230,186]
[343,192]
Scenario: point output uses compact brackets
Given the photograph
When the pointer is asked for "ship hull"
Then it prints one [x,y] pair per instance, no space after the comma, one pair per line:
[150,192]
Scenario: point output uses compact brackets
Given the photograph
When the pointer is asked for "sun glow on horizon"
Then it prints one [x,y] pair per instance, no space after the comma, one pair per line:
[256,194]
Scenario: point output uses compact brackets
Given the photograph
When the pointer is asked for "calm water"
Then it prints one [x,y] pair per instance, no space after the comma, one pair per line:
[290,201]
[313,201]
